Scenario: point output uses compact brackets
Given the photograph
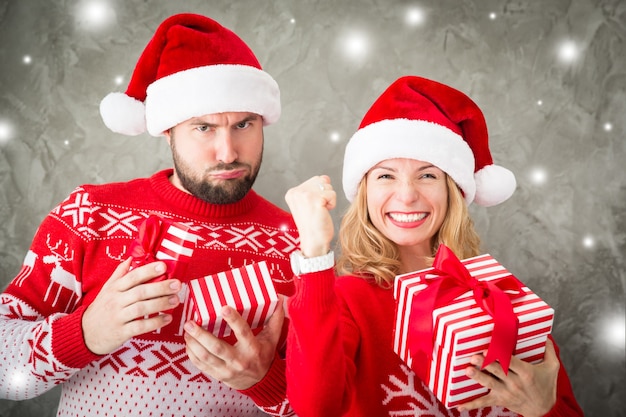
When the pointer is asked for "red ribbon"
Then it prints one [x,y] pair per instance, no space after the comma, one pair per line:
[455,280]
[144,248]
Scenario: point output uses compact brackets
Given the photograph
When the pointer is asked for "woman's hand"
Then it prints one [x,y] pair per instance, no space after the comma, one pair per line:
[310,203]
[528,389]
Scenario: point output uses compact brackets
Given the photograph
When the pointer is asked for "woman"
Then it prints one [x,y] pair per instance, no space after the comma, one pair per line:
[419,158]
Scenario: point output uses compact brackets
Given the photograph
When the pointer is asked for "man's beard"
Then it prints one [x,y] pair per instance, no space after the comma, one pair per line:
[229,191]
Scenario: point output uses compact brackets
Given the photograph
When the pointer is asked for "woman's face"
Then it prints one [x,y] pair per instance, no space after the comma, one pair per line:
[407,201]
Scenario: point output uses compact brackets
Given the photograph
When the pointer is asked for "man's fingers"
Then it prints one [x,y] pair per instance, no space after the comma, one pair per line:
[120,271]
[239,326]
[205,345]
[135,276]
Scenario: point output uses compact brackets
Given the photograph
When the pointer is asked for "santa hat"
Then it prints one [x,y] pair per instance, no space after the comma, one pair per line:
[191,67]
[428,121]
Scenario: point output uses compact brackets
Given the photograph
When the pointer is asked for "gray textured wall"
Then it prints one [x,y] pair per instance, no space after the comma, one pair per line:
[550,76]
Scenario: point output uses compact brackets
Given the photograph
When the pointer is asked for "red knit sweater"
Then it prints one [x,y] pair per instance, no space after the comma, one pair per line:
[340,358]
[76,249]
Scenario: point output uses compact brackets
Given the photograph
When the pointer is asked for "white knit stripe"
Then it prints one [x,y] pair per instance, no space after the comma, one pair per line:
[414,139]
[211,89]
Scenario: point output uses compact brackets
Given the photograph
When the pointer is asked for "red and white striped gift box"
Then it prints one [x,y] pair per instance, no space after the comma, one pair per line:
[248,289]
[177,244]
[164,240]
[462,329]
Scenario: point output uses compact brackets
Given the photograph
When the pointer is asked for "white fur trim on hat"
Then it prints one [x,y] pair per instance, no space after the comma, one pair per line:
[123,114]
[210,89]
[414,139]
[494,184]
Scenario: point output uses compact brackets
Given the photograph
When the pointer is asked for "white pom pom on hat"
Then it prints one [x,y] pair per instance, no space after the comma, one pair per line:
[428,121]
[192,66]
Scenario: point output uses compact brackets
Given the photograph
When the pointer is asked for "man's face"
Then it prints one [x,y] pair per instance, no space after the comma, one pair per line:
[217,156]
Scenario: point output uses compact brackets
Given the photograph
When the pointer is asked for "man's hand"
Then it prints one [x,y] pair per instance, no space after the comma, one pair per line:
[117,313]
[529,390]
[243,364]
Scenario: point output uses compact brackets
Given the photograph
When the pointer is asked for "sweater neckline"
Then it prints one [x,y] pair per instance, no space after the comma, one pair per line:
[181,200]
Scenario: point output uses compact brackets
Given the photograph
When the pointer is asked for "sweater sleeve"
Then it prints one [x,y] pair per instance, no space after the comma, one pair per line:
[40,315]
[321,348]
[566,404]
[270,393]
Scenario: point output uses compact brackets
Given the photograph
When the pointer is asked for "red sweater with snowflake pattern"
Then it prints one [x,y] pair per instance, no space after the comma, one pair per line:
[76,249]
[340,358]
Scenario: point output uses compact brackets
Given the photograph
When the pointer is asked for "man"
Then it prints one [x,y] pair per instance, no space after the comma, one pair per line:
[79,315]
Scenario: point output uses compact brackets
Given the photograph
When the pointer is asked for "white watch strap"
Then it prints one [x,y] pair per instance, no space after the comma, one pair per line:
[302,265]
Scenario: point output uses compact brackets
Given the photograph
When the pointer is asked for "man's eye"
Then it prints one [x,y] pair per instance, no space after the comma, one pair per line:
[243,125]
[203,128]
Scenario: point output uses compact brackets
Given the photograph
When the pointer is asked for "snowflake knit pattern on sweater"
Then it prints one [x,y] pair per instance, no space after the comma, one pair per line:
[76,249]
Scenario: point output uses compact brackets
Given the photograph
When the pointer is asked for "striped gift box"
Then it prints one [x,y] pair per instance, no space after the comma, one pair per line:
[462,329]
[164,240]
[248,289]
[177,244]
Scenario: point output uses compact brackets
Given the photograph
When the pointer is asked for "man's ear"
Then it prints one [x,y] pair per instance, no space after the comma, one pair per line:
[168,136]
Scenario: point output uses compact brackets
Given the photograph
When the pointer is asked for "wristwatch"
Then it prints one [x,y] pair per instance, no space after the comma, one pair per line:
[301,265]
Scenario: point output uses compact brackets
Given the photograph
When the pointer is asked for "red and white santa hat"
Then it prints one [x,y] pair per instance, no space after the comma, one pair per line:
[428,121]
[192,66]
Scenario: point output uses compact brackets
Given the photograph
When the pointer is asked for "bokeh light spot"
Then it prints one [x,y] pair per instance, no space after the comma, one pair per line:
[414,16]
[6,131]
[589,242]
[538,176]
[568,52]
[95,14]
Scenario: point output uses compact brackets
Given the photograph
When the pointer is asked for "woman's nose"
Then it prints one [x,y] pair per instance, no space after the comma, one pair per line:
[407,192]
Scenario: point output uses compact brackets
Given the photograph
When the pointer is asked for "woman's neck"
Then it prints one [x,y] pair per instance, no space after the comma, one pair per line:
[414,258]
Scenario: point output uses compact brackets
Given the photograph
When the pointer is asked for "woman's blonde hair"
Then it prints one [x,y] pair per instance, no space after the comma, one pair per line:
[365,251]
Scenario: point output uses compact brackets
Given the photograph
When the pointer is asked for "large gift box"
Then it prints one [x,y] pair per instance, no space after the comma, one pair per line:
[248,289]
[456,309]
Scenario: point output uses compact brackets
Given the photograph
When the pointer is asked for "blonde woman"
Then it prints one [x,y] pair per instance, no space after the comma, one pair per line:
[419,158]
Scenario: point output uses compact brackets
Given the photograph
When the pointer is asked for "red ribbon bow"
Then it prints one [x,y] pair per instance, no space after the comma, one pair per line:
[455,280]
[144,248]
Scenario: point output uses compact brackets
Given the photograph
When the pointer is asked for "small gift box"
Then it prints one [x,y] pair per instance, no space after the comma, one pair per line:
[456,309]
[248,289]
[161,239]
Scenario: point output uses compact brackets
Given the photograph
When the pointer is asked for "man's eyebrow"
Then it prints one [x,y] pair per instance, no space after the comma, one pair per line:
[199,121]
[251,117]
[196,121]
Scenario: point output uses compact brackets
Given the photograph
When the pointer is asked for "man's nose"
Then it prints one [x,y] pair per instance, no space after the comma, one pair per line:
[224,147]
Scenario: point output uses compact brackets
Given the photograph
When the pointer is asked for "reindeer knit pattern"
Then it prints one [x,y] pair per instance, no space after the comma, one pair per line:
[76,249]
[341,361]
